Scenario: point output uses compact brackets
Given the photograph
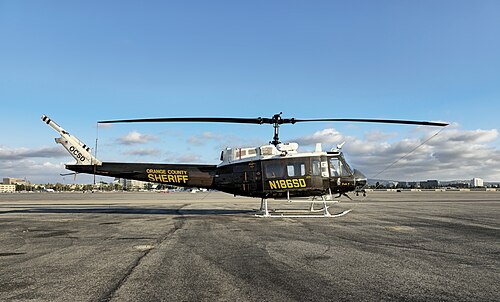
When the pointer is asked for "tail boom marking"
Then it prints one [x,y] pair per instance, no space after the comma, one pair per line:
[78,150]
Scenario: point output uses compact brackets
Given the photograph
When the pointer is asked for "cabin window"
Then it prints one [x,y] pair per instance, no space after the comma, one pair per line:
[297,169]
[266,150]
[239,153]
[316,169]
[274,170]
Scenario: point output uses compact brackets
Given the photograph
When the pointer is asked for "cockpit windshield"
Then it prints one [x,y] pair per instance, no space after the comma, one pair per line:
[338,166]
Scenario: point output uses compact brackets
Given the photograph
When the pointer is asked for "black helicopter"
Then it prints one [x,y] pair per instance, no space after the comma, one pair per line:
[276,170]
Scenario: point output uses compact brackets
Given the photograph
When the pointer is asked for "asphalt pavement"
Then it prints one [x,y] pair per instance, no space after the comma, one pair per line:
[393,246]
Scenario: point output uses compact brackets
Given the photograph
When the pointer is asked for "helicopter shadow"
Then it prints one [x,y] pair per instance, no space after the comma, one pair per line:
[127,211]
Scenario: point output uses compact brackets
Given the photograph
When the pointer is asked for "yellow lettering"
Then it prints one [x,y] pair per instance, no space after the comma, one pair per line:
[155,171]
[282,183]
[177,172]
[287,183]
[155,176]
[272,185]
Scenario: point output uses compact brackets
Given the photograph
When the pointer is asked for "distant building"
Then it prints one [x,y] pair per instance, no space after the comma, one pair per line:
[402,185]
[429,184]
[414,185]
[7,188]
[392,184]
[15,181]
[130,184]
[477,182]
[461,185]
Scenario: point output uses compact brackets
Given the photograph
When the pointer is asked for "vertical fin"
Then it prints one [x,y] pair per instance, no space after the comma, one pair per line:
[80,151]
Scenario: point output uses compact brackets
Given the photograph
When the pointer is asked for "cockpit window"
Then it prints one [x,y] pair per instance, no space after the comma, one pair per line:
[274,170]
[338,167]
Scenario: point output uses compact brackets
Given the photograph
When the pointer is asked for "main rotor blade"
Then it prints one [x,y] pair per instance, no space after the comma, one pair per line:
[261,120]
[382,121]
[258,120]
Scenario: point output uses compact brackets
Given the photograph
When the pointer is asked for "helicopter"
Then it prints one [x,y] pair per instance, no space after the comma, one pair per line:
[276,170]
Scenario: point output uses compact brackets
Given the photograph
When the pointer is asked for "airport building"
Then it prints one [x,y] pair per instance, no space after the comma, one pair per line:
[460,185]
[130,184]
[429,184]
[477,182]
[15,181]
[413,185]
[402,185]
[4,188]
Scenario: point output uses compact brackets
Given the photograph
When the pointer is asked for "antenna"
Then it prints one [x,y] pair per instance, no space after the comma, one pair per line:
[95,150]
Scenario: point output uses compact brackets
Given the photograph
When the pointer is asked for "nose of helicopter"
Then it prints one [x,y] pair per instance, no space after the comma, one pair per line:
[360,179]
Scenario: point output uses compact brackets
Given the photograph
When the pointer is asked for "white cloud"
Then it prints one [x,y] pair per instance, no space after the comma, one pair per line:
[473,136]
[33,170]
[377,135]
[204,137]
[143,152]
[23,153]
[327,136]
[38,165]
[136,138]
[186,158]
[219,141]
[453,154]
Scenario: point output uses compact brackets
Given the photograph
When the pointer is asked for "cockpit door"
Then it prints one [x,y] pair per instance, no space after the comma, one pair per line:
[340,174]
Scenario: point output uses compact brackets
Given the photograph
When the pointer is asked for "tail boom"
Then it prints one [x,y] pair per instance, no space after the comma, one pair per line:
[201,176]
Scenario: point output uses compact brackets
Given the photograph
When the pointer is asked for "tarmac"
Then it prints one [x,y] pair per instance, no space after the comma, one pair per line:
[392,246]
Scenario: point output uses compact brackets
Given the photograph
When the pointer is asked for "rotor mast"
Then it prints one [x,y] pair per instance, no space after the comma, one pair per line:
[276,120]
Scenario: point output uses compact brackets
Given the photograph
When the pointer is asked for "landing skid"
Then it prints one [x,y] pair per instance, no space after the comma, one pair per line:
[265,213]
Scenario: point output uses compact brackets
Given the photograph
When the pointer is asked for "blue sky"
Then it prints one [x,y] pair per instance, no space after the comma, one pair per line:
[80,62]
